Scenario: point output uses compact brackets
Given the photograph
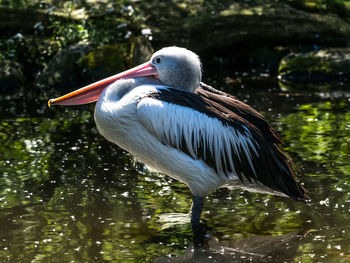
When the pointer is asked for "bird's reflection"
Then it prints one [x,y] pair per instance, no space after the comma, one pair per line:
[207,248]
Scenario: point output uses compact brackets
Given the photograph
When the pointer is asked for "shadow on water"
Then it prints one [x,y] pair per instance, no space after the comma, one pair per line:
[66,194]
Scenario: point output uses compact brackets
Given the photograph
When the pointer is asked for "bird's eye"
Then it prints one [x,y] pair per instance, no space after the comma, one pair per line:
[158,60]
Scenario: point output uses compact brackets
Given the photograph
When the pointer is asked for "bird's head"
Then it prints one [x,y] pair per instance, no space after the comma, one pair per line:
[177,67]
[172,66]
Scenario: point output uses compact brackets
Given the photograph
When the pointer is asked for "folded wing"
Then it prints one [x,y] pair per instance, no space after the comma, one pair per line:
[228,135]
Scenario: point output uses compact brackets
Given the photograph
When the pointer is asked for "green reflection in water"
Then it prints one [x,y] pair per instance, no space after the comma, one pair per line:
[68,195]
[321,133]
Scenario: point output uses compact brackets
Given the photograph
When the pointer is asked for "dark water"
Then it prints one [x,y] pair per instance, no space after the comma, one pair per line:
[67,195]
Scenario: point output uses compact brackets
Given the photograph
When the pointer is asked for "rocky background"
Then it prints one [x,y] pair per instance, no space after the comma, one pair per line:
[48,47]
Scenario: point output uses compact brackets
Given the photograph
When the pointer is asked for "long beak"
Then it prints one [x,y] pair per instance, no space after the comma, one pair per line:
[91,92]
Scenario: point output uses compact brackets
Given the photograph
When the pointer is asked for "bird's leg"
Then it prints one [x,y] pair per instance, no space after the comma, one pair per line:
[197,228]
[196,209]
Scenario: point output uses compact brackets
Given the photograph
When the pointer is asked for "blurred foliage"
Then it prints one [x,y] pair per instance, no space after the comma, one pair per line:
[68,23]
[106,22]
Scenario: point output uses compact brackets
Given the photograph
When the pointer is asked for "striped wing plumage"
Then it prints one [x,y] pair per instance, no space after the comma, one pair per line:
[227,134]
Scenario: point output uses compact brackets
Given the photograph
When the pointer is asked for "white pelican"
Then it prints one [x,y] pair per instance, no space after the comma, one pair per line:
[162,114]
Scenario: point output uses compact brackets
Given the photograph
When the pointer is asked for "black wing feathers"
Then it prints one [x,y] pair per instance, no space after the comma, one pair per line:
[269,166]
[241,109]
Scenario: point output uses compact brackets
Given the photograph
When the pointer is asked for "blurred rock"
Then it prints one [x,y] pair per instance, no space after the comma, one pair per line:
[13,19]
[80,64]
[326,65]
[108,60]
[27,19]
[142,50]
[62,74]
[11,77]
[238,28]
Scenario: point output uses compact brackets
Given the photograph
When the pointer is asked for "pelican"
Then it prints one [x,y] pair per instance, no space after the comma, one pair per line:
[168,119]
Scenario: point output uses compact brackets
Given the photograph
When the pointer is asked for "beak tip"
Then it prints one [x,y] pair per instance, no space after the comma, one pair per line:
[49,103]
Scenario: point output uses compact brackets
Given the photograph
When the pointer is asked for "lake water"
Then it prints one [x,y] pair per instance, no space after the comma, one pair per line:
[68,195]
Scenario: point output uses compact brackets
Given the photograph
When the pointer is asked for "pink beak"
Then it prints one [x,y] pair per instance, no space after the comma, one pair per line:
[92,92]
